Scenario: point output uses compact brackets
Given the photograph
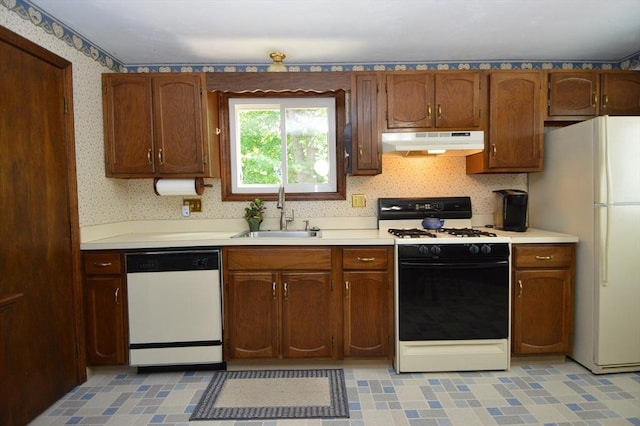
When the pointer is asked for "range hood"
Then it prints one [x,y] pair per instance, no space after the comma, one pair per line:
[458,143]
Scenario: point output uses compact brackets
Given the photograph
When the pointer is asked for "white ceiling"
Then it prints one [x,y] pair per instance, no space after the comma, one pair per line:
[154,32]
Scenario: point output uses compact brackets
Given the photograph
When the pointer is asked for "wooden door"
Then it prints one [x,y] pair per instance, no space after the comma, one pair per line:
[620,93]
[366,145]
[515,124]
[542,311]
[366,314]
[574,94]
[128,125]
[306,315]
[179,104]
[457,100]
[252,312]
[105,325]
[41,344]
[410,100]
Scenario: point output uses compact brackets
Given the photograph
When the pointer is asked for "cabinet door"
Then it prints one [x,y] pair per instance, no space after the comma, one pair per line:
[105,325]
[457,100]
[306,315]
[410,100]
[516,126]
[366,314]
[620,93]
[574,94]
[178,105]
[366,144]
[542,311]
[128,125]
[251,315]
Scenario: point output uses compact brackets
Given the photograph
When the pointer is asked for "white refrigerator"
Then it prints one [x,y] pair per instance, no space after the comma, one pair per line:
[590,187]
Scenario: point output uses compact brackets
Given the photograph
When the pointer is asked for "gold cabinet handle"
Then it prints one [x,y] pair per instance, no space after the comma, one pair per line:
[360,150]
[160,156]
[286,291]
[346,289]
[494,150]
[519,288]
[115,296]
[544,257]
[149,156]
[439,111]
[429,111]
[594,99]
[605,100]
[102,264]
[273,290]
[366,259]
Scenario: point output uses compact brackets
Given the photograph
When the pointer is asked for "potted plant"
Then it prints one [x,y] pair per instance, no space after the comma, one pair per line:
[254,214]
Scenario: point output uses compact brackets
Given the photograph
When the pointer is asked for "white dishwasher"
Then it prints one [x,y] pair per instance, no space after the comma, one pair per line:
[175,309]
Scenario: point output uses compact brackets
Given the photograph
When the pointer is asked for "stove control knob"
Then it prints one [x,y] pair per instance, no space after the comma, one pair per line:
[435,250]
[423,249]
[485,249]
[474,249]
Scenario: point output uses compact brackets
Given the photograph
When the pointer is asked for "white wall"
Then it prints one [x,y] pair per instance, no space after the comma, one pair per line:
[102,200]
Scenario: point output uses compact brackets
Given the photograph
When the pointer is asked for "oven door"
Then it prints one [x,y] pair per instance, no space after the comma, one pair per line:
[443,300]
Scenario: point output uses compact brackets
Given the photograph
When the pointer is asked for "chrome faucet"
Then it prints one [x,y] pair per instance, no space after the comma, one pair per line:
[284,220]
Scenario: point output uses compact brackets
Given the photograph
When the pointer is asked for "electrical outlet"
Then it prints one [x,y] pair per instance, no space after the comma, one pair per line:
[195,204]
[358,200]
[185,211]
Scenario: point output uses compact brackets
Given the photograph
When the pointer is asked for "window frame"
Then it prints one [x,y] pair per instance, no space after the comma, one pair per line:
[225,146]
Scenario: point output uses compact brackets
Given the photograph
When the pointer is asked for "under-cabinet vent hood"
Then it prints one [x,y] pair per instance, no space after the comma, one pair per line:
[443,143]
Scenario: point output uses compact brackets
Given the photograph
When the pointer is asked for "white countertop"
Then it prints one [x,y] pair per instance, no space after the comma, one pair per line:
[193,238]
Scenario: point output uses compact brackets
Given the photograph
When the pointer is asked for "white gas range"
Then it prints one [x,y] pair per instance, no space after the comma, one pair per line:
[452,294]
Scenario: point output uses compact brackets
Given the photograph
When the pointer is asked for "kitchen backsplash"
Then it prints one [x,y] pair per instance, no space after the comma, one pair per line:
[401,177]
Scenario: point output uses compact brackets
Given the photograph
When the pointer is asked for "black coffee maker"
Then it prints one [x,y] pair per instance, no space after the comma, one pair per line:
[511,210]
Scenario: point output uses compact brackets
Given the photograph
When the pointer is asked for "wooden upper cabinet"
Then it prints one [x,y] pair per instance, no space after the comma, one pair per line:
[366,142]
[580,95]
[573,93]
[620,93]
[128,124]
[156,125]
[516,133]
[425,100]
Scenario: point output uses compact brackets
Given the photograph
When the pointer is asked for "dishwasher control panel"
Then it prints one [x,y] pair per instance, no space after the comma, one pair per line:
[179,260]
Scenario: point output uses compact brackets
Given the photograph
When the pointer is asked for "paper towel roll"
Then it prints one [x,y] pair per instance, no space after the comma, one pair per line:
[178,186]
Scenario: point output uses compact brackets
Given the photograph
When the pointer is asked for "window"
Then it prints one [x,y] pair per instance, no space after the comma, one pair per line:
[290,140]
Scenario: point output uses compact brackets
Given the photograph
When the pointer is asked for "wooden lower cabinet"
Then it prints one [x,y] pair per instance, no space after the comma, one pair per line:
[105,308]
[279,303]
[543,280]
[287,302]
[368,298]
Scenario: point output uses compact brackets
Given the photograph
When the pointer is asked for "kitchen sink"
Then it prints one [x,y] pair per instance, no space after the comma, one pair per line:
[279,234]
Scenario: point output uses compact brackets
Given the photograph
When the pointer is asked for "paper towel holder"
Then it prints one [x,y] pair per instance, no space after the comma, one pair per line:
[198,184]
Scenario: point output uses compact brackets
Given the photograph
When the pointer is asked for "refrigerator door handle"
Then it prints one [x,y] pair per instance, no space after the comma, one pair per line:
[605,232]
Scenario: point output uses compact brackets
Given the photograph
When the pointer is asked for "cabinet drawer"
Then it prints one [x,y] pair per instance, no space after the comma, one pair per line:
[365,258]
[271,258]
[100,263]
[543,255]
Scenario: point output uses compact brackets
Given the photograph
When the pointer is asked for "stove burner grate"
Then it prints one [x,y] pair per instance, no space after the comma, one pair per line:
[412,233]
[467,232]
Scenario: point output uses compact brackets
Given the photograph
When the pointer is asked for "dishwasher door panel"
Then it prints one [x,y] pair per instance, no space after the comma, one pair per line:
[174,306]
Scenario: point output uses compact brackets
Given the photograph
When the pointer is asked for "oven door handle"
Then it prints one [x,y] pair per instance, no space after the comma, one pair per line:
[461,265]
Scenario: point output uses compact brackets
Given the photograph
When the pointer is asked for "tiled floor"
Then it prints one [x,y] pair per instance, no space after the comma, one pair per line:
[559,393]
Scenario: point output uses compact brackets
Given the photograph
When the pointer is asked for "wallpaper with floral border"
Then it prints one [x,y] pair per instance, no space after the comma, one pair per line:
[103,200]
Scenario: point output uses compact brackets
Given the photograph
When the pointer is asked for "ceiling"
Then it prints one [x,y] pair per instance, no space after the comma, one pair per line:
[155,32]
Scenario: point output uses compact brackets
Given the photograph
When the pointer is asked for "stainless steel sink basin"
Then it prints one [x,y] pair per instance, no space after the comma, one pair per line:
[279,234]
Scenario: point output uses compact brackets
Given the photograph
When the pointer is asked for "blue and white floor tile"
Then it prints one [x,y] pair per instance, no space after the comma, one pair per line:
[562,393]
